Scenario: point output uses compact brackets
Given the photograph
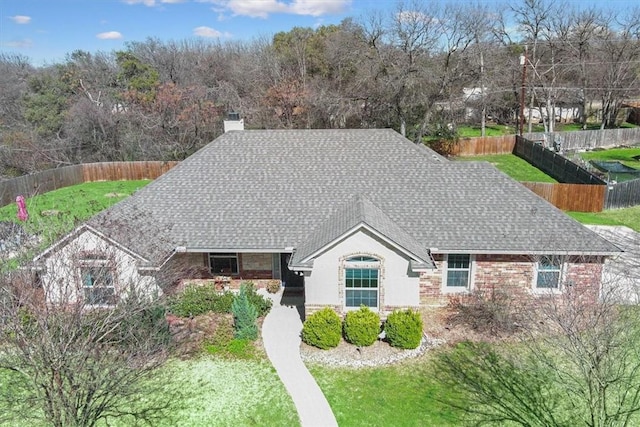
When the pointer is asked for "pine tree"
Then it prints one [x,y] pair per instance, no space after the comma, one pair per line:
[244,316]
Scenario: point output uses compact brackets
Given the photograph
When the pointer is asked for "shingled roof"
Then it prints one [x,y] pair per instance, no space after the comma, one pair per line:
[267,190]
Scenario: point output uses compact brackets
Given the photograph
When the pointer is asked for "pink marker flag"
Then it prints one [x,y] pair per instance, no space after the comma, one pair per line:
[23,215]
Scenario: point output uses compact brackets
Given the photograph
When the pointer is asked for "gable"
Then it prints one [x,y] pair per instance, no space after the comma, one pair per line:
[270,190]
[84,238]
[359,215]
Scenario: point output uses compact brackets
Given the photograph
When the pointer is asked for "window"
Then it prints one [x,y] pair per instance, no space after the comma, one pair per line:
[458,272]
[97,285]
[223,263]
[361,282]
[548,271]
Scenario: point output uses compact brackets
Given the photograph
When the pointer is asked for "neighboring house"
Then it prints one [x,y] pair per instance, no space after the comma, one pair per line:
[356,217]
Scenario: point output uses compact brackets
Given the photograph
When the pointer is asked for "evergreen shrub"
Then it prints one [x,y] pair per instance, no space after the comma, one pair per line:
[322,329]
[361,327]
[197,300]
[244,316]
[403,329]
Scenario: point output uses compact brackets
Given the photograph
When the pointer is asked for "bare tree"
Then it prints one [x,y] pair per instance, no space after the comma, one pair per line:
[84,349]
[576,364]
[617,69]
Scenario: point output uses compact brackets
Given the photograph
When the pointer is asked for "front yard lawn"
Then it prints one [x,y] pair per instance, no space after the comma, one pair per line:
[224,392]
[517,168]
[398,395]
[210,391]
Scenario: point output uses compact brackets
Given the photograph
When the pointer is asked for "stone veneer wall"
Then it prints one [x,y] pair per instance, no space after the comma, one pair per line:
[513,275]
[510,274]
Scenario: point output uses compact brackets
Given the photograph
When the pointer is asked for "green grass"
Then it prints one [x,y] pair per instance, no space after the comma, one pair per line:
[472,131]
[490,130]
[222,392]
[213,392]
[399,395]
[514,166]
[627,216]
[623,155]
[61,210]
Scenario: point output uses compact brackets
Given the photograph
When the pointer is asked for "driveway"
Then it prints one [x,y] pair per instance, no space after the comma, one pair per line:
[621,277]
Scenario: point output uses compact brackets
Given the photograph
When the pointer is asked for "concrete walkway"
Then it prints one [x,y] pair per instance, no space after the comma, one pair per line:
[281,337]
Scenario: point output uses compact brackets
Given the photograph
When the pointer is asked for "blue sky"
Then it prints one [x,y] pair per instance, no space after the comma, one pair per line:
[47,30]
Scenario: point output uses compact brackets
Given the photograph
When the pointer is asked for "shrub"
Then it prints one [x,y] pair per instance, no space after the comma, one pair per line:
[197,300]
[244,316]
[273,286]
[262,304]
[322,329]
[361,327]
[491,311]
[403,329]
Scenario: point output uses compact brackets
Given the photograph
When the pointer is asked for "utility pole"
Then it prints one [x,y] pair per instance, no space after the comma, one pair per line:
[523,62]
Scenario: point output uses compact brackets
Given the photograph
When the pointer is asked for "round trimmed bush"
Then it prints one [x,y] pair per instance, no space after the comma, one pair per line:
[322,329]
[403,329]
[361,327]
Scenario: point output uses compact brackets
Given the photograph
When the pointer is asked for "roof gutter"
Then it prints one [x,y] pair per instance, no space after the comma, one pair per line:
[537,252]
[184,249]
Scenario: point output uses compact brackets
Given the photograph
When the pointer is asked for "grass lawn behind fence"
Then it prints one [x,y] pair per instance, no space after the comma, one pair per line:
[627,216]
[497,130]
[622,155]
[517,168]
[62,209]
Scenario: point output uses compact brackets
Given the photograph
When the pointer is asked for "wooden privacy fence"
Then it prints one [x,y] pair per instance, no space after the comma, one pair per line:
[623,194]
[571,197]
[485,145]
[52,179]
[553,164]
[585,139]
[114,171]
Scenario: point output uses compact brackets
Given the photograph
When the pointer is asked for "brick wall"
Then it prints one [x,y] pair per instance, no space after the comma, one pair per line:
[585,276]
[512,275]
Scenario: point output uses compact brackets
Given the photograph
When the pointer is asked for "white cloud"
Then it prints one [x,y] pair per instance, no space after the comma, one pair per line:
[144,2]
[21,19]
[209,32]
[19,44]
[109,35]
[152,3]
[264,8]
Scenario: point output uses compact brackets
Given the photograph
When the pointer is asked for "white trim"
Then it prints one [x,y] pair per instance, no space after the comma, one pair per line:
[556,290]
[351,265]
[458,289]
[354,230]
[99,264]
[76,232]
[184,249]
[499,252]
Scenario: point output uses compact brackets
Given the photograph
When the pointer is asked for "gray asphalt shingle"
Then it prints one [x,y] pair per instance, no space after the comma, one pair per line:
[273,189]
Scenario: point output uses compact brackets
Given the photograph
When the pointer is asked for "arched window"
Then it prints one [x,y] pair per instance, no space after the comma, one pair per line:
[362,280]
